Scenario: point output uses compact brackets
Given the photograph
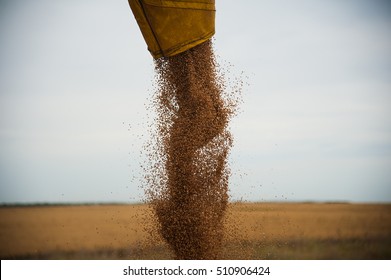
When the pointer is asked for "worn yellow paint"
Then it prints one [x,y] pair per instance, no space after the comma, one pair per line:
[172,27]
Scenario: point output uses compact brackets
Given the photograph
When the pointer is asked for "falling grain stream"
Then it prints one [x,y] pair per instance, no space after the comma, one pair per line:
[191,197]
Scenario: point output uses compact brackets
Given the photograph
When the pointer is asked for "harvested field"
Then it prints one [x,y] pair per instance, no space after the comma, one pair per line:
[260,231]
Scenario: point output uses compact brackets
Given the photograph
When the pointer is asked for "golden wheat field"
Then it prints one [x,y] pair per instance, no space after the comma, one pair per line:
[254,231]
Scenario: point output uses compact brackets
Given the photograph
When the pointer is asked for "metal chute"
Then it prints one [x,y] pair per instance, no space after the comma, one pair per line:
[172,27]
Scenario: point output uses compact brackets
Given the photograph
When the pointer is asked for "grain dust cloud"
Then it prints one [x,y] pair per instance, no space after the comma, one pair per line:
[188,171]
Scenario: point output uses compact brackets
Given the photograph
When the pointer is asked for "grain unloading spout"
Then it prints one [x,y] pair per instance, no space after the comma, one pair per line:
[172,27]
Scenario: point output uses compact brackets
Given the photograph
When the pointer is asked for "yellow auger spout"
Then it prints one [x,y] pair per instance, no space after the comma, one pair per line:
[172,27]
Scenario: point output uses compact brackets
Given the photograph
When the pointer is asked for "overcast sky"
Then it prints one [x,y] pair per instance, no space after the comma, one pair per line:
[315,123]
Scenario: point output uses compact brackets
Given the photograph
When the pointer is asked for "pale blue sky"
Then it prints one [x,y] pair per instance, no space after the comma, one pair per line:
[315,123]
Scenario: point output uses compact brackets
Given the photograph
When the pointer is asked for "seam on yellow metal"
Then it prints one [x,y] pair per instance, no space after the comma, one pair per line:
[162,2]
[150,27]
[177,49]
[181,4]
